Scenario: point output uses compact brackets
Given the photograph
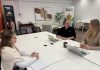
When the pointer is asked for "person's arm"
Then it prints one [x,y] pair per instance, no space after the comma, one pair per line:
[72,38]
[33,54]
[58,36]
[90,47]
[23,53]
[73,34]
[25,64]
[83,45]
[63,38]
[95,47]
[66,38]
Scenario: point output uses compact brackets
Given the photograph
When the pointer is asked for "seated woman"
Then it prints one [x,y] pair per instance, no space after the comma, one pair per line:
[91,40]
[66,32]
[10,54]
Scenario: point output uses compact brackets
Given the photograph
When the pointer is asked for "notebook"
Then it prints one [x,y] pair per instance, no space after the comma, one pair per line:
[77,50]
[51,38]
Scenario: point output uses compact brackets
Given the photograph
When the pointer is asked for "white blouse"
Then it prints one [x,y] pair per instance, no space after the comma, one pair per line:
[11,57]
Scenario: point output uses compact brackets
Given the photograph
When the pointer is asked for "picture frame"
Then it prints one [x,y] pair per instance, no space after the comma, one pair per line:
[42,14]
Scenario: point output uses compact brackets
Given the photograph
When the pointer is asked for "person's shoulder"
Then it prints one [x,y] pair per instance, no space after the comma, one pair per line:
[62,28]
[71,28]
[8,49]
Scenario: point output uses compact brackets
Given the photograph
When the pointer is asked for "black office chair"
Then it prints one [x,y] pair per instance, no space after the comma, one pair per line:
[36,29]
[21,31]
[17,32]
[55,30]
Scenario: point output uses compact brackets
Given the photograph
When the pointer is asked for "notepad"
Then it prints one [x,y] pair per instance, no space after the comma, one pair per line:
[52,38]
[77,50]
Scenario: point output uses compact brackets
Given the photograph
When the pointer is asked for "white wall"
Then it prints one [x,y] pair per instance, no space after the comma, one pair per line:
[85,10]
[27,6]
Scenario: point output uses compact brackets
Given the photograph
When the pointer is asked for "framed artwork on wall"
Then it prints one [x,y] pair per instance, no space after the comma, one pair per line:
[42,14]
[39,14]
[69,14]
[47,14]
[9,17]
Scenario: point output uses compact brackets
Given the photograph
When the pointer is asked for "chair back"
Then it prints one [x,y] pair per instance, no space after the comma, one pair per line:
[47,28]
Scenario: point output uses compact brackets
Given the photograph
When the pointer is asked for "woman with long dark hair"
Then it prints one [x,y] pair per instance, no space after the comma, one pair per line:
[11,56]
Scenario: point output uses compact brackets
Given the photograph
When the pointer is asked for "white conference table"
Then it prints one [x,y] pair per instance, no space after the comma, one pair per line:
[52,56]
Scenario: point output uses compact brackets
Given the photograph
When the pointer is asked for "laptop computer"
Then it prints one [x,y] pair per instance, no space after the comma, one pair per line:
[51,38]
[77,50]
[92,56]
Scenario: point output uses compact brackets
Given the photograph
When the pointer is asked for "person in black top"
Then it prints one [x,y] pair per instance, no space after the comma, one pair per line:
[66,32]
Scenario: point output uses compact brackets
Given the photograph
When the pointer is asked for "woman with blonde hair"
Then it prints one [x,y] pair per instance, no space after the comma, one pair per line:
[91,40]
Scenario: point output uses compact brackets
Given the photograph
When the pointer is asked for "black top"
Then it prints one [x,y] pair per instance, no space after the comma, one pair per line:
[69,32]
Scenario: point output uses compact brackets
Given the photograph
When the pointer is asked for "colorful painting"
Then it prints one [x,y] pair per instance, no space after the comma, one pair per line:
[42,14]
[69,14]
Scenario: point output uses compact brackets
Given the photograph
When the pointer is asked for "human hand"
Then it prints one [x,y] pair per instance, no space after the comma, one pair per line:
[35,54]
[64,38]
[60,37]
[84,46]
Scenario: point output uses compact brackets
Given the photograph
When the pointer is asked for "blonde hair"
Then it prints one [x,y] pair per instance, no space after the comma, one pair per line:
[94,30]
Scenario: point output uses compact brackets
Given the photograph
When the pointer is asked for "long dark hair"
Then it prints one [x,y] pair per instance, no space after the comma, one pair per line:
[6,37]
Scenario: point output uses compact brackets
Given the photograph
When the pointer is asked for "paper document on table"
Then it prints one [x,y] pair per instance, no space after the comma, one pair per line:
[48,56]
[40,64]
[94,57]
[51,38]
[45,61]
[37,64]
